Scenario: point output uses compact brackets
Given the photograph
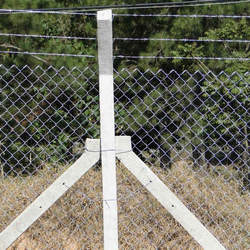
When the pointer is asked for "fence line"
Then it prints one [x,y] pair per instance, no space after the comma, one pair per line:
[180,40]
[123,6]
[127,38]
[43,54]
[11,12]
[54,141]
[129,57]
[48,37]
[195,5]
[182,16]
[183,134]
[183,58]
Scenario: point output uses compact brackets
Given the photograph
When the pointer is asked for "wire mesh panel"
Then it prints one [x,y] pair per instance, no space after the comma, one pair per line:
[46,115]
[192,129]
[73,222]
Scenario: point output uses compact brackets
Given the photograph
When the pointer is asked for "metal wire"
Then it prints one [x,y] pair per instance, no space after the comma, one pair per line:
[48,37]
[189,5]
[48,112]
[126,38]
[44,54]
[118,6]
[189,126]
[124,6]
[184,58]
[184,16]
[179,40]
[78,10]
[8,11]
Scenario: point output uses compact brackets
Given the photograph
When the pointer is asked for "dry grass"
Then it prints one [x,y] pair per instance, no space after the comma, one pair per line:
[75,220]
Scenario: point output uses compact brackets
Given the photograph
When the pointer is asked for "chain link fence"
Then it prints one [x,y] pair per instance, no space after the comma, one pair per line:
[191,128]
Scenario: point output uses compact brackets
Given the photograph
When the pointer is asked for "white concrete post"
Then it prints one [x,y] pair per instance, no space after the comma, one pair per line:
[106,90]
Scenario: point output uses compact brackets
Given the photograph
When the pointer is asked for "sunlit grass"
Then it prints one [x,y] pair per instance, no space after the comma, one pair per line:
[75,220]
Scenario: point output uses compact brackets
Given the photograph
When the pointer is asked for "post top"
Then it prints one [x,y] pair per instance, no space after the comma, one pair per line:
[104,15]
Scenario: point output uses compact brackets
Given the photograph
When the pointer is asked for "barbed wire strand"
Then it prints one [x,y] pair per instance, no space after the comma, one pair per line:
[8,12]
[126,38]
[184,16]
[180,40]
[127,57]
[183,58]
[48,37]
[189,5]
[136,5]
[78,10]
[44,54]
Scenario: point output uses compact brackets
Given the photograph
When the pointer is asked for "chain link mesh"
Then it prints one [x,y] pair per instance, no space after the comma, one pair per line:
[46,115]
[191,129]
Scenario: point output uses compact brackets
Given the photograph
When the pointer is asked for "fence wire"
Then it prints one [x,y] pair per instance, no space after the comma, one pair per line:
[191,129]
[46,115]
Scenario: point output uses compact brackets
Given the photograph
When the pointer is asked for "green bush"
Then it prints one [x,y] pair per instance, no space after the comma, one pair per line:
[43,112]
